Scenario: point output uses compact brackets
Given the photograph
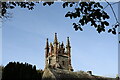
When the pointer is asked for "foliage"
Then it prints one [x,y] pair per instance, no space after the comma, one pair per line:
[20,71]
[89,12]
[92,13]
[40,73]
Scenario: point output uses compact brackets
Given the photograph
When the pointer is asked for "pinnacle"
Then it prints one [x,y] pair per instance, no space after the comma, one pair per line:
[55,39]
[47,44]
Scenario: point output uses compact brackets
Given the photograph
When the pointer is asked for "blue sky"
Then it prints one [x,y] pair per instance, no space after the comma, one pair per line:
[24,37]
[0,41]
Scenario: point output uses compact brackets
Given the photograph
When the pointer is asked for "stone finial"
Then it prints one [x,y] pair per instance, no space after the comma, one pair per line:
[47,44]
[55,39]
[62,45]
[68,42]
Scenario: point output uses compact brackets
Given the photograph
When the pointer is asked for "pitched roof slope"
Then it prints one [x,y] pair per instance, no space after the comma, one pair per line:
[59,74]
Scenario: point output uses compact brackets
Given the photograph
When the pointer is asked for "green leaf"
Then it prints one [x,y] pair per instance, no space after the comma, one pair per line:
[65,4]
[106,23]
[13,3]
[80,28]
[116,25]
[109,30]
[71,5]
[114,32]
[98,4]
[12,7]
[44,3]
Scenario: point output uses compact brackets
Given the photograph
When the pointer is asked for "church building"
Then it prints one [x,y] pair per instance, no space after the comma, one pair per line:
[58,64]
[58,56]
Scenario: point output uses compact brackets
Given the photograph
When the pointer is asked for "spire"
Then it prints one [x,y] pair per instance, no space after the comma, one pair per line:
[68,42]
[47,48]
[47,44]
[62,45]
[55,39]
[51,48]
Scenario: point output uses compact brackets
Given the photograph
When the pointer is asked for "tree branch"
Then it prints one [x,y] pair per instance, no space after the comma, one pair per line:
[112,11]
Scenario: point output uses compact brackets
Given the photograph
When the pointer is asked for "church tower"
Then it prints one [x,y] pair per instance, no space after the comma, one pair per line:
[58,56]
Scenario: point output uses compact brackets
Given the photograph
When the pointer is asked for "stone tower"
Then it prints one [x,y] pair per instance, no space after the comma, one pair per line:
[57,55]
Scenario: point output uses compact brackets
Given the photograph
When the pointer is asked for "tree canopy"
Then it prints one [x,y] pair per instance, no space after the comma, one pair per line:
[87,12]
[20,71]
